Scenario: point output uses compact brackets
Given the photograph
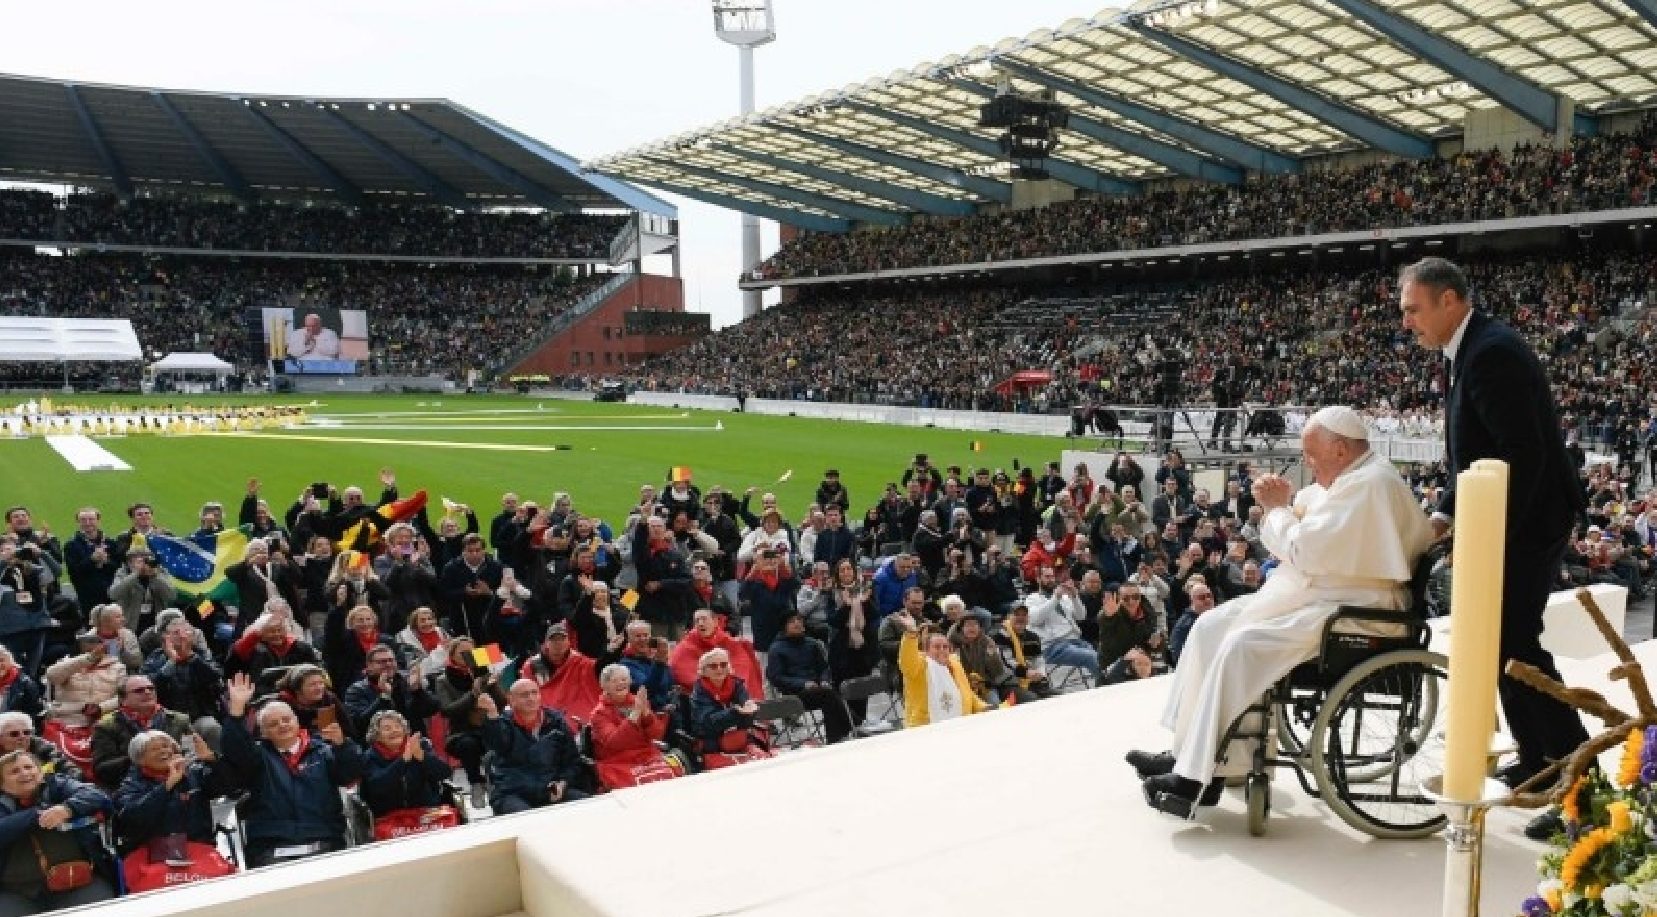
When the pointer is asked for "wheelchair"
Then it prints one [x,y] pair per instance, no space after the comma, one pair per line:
[1358,725]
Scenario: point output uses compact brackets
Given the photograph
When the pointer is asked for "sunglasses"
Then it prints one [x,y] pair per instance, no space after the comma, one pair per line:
[18,733]
[719,665]
[146,689]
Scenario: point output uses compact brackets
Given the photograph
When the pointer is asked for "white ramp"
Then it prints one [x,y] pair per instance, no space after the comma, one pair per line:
[85,455]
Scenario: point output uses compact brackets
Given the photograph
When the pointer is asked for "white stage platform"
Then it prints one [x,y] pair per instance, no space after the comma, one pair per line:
[1024,811]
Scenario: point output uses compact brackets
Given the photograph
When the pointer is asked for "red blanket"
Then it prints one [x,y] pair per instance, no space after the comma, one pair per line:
[744,663]
[572,690]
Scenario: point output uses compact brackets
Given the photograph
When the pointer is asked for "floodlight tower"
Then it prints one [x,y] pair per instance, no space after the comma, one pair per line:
[746,24]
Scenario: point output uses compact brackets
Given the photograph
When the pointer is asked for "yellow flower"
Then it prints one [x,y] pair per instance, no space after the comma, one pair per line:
[1576,860]
[1620,819]
[1568,806]
[1628,770]
[1552,896]
[1593,892]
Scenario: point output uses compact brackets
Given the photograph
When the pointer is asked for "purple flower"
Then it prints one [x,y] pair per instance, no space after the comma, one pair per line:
[1535,906]
[1648,772]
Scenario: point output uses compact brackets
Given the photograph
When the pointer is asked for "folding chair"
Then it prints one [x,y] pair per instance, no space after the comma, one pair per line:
[1074,677]
[866,688]
[789,723]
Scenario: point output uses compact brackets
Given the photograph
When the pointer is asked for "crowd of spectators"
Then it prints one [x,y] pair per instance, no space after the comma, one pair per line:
[342,676]
[267,226]
[1593,173]
[1288,335]
[422,319]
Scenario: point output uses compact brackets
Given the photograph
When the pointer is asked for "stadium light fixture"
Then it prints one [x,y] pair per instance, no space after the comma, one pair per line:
[746,24]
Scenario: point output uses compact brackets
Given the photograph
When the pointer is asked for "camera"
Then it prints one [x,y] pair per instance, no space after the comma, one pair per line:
[319,490]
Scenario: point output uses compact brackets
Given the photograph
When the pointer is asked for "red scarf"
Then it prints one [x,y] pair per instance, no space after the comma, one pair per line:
[721,693]
[389,752]
[281,649]
[460,673]
[9,677]
[429,640]
[531,726]
[293,760]
[138,718]
[367,642]
[705,590]
[768,577]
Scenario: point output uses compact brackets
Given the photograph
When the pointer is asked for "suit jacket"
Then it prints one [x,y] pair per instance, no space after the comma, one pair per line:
[1500,406]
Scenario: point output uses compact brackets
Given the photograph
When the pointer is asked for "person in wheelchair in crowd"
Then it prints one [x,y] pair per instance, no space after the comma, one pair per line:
[164,812]
[536,762]
[1355,543]
[625,732]
[50,854]
[401,770]
[292,776]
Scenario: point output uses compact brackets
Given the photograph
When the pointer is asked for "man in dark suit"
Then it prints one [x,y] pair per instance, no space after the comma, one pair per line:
[1499,406]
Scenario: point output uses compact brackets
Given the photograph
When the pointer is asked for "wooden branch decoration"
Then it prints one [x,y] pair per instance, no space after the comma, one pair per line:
[1588,701]
[1618,724]
[1630,668]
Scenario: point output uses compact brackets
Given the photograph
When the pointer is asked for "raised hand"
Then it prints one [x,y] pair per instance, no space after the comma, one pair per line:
[486,703]
[388,478]
[239,692]
[332,735]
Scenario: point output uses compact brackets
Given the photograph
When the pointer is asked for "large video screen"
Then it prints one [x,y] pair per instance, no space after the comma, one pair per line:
[315,339]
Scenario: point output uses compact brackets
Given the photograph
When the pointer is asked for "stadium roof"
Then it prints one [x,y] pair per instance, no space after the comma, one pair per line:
[1204,89]
[125,138]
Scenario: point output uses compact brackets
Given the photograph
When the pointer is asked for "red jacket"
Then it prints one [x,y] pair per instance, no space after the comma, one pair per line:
[1036,556]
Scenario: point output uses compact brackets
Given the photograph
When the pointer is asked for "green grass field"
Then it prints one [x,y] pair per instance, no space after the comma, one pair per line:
[473,448]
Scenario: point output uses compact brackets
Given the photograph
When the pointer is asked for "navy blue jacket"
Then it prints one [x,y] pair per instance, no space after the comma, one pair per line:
[23,696]
[83,799]
[1500,406]
[525,765]
[145,808]
[710,719]
[655,677]
[766,607]
[790,663]
[291,806]
[389,784]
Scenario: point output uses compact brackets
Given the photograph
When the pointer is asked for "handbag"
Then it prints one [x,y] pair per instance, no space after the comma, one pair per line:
[62,877]
[404,822]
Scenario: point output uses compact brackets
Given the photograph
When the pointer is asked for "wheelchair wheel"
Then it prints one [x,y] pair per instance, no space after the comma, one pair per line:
[1293,730]
[1257,791]
[1374,742]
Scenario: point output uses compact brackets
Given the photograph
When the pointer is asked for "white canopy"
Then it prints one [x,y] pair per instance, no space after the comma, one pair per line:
[29,339]
[192,363]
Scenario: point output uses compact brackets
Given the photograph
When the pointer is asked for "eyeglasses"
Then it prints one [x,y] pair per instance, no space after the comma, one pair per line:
[145,689]
[18,733]
[718,665]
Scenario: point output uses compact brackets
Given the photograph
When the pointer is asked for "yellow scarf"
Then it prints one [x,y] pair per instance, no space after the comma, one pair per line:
[1018,649]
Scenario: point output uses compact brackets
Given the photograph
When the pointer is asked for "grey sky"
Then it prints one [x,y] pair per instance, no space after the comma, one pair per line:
[587,76]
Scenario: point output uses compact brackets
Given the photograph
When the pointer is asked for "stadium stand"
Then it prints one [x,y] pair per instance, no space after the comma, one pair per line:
[1592,173]
[427,319]
[372,229]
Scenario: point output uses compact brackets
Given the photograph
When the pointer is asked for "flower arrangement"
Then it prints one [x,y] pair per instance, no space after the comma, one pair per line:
[1605,861]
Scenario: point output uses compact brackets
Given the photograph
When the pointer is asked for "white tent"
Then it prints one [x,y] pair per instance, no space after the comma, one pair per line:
[192,363]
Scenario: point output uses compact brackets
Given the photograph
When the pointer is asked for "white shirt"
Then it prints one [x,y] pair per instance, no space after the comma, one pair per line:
[325,346]
[1054,619]
[1455,339]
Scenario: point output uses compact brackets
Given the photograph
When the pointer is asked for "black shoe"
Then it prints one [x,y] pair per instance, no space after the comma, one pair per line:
[1543,827]
[1178,796]
[1151,764]
[1515,774]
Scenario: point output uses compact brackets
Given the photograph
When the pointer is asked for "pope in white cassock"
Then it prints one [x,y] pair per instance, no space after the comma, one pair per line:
[1350,539]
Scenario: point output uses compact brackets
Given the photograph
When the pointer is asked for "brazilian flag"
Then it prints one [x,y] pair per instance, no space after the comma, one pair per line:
[197,563]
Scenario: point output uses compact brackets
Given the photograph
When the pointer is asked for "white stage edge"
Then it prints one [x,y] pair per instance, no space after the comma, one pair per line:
[1024,811]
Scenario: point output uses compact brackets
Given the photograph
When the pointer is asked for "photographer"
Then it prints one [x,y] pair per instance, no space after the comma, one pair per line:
[32,544]
[142,589]
[645,658]
[409,576]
